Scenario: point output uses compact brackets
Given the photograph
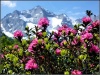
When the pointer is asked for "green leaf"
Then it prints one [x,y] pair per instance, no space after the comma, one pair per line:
[10,71]
[1,68]
[12,57]
[47,46]
[26,28]
[24,42]
[44,34]
[21,52]
[40,41]
[56,45]
[27,53]
[15,60]
[63,52]
[46,39]
[66,73]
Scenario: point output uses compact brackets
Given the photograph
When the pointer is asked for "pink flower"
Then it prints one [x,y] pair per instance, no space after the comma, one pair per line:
[18,34]
[73,31]
[35,66]
[92,65]
[39,33]
[30,48]
[62,43]
[33,45]
[31,65]
[70,30]
[96,23]
[43,22]
[76,72]
[74,42]
[57,34]
[16,47]
[1,55]
[94,48]
[86,20]
[58,51]
[63,28]
[87,36]
[84,32]
[89,28]
[55,39]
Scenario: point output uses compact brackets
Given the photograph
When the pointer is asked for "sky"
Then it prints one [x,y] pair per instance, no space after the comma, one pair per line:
[74,9]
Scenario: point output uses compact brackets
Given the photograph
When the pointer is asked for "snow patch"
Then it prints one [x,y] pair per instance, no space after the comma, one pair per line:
[26,19]
[73,20]
[31,25]
[54,22]
[10,16]
[5,32]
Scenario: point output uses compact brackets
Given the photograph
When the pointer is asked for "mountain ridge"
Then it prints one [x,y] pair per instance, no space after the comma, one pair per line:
[18,20]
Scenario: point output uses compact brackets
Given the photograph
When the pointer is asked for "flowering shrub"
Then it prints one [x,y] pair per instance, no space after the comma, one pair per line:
[68,51]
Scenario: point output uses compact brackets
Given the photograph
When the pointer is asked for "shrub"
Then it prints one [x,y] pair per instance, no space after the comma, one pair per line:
[67,51]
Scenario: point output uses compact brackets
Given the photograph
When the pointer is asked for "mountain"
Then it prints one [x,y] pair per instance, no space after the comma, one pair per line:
[17,20]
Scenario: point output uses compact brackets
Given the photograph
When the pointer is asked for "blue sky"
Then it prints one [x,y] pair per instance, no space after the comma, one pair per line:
[74,9]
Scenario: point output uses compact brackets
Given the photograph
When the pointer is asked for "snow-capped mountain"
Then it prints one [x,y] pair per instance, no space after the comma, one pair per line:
[17,20]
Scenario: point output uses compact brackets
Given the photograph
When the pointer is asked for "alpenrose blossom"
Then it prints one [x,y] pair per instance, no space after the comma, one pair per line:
[76,72]
[1,55]
[62,28]
[87,36]
[66,29]
[89,28]
[16,46]
[73,31]
[86,20]
[62,43]
[39,34]
[70,30]
[74,42]
[58,51]
[94,48]
[18,34]
[33,45]
[96,23]
[57,34]
[43,22]
[31,64]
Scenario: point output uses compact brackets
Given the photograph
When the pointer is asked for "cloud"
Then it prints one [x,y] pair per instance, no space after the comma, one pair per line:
[76,7]
[10,4]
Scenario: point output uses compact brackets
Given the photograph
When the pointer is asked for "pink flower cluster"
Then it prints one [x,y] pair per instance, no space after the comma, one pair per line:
[76,72]
[43,22]
[58,51]
[94,48]
[62,43]
[74,42]
[86,20]
[18,34]
[63,28]
[57,34]
[39,34]
[33,45]
[87,36]
[66,29]
[89,28]
[31,64]
[1,55]
[16,46]
[96,23]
